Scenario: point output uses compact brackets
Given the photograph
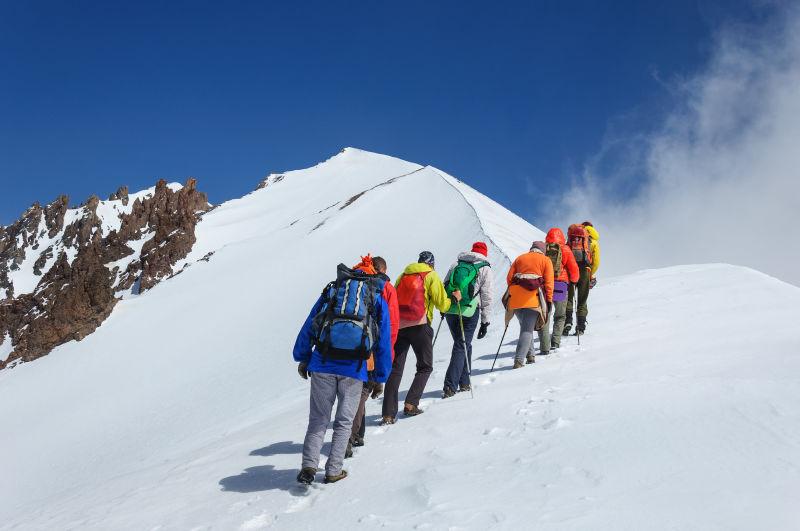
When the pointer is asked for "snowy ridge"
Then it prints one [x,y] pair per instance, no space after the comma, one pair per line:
[184,409]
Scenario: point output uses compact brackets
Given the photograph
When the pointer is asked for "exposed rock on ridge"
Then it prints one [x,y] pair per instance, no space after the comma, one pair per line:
[74,264]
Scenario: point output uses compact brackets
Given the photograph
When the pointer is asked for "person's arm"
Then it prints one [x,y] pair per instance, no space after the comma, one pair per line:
[548,279]
[383,352]
[511,273]
[595,256]
[437,296]
[486,292]
[303,344]
[573,272]
[394,311]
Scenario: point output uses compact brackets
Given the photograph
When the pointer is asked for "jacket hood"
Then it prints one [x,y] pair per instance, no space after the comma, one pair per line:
[555,235]
[472,257]
[593,233]
[416,267]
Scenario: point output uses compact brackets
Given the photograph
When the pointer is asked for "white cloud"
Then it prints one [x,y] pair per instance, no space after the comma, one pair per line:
[720,177]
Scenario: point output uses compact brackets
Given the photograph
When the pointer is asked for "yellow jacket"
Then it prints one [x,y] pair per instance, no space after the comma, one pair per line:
[595,248]
[435,294]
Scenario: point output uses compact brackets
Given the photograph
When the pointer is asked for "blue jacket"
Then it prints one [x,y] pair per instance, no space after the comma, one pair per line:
[383,354]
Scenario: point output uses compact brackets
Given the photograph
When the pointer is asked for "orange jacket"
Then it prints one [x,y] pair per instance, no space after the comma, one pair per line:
[529,263]
[569,267]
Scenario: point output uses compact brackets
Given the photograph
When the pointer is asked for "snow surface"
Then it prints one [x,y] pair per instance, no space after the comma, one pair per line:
[184,409]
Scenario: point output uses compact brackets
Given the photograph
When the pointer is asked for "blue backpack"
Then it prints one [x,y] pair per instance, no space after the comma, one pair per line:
[345,327]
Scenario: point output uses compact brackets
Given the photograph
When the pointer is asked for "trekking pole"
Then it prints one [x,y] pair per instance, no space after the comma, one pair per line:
[437,331]
[466,353]
[498,347]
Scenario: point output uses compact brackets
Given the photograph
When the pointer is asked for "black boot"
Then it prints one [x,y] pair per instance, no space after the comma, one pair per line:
[567,326]
[581,328]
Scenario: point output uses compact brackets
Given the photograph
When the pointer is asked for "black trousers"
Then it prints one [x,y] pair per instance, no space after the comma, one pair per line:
[420,338]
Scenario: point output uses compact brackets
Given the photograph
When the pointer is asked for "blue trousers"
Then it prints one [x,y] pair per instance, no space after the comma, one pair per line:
[458,371]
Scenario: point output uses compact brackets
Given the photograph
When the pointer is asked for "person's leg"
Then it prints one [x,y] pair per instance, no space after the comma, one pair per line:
[348,392]
[422,343]
[392,387]
[559,318]
[323,394]
[527,322]
[544,336]
[570,309]
[358,420]
[456,366]
[470,326]
[583,297]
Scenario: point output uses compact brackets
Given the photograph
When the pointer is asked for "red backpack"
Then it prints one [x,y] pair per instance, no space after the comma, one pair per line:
[580,243]
[411,296]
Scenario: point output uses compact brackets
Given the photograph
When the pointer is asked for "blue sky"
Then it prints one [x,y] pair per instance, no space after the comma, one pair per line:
[512,97]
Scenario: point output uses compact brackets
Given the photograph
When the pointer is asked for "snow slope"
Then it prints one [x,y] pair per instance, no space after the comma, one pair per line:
[184,410]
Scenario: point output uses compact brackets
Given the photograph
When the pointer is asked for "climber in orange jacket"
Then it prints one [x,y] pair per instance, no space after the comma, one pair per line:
[529,296]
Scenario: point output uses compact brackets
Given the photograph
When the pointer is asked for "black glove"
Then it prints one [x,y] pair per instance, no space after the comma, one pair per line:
[592,283]
[549,307]
[302,370]
[482,330]
[377,389]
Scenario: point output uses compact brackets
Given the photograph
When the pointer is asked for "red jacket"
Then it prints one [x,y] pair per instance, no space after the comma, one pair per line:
[390,294]
[569,267]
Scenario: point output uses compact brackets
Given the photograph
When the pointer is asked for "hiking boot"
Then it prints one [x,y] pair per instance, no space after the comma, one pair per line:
[518,364]
[338,477]
[464,388]
[348,453]
[306,476]
[358,441]
[579,331]
[448,392]
[581,328]
[412,411]
[567,329]
[544,352]
[387,420]
[530,358]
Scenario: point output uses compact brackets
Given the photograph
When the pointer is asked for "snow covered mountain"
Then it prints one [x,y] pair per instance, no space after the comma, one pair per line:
[183,410]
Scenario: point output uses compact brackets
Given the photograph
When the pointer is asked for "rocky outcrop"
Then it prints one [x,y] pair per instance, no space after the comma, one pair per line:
[84,270]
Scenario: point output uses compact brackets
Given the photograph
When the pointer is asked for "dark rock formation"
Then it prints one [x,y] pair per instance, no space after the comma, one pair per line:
[73,297]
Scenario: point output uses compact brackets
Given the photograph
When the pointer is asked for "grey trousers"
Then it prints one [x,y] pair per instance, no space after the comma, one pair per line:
[544,336]
[527,318]
[559,319]
[325,389]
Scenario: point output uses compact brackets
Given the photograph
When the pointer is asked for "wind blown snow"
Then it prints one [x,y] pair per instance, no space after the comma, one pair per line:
[720,174]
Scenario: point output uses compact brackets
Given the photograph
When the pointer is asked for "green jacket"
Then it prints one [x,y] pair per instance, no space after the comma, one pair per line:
[435,294]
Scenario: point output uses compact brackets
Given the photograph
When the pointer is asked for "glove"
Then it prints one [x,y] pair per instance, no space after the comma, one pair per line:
[549,307]
[592,282]
[377,390]
[482,330]
[302,370]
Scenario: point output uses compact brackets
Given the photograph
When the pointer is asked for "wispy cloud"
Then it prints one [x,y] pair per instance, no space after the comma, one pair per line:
[718,180]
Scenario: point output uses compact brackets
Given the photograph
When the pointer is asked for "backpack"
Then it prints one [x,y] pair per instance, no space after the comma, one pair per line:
[580,243]
[411,296]
[345,327]
[553,252]
[463,278]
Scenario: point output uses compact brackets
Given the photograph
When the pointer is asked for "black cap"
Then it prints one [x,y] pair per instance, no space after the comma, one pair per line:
[426,257]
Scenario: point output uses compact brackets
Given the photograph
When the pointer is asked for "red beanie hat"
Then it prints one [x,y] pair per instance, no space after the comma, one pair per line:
[480,247]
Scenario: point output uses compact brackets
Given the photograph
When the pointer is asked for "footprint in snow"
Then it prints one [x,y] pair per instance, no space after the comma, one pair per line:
[260,521]
[556,424]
